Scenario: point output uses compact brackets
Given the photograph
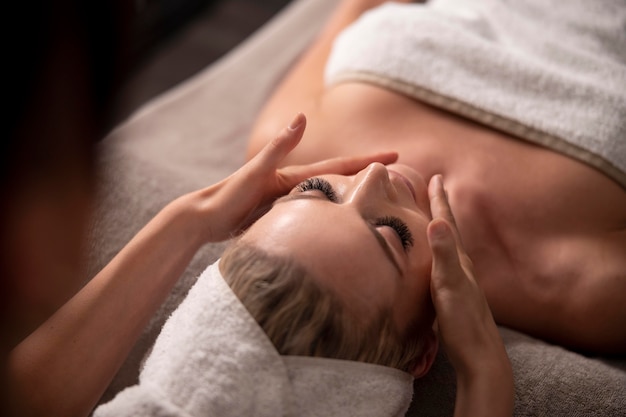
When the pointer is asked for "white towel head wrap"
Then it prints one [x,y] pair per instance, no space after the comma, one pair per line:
[213,359]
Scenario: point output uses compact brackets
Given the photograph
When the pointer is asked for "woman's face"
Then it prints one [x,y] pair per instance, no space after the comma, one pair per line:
[363,236]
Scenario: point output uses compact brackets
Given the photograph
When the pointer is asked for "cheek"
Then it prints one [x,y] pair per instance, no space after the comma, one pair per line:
[414,303]
[414,295]
[421,257]
[423,275]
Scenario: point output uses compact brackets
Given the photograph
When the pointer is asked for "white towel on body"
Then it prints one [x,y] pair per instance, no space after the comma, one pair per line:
[547,71]
[212,359]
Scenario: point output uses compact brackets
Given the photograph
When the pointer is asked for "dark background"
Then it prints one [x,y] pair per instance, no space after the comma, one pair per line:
[174,39]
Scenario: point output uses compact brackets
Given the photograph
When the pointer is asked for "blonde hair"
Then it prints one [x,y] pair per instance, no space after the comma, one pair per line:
[302,318]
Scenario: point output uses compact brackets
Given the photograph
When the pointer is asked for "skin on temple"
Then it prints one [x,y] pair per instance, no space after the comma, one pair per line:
[546,233]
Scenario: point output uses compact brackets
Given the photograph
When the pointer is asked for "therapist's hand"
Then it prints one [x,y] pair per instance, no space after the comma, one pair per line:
[244,196]
[466,326]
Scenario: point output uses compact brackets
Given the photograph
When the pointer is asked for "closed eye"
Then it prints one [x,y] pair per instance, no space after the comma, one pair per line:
[318,184]
[400,227]
[328,194]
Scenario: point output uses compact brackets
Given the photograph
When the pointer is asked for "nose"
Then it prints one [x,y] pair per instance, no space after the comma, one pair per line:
[371,185]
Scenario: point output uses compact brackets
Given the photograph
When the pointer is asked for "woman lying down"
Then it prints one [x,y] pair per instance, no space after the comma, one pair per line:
[318,312]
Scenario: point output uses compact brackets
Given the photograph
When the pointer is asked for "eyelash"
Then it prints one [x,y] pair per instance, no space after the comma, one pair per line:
[400,228]
[320,185]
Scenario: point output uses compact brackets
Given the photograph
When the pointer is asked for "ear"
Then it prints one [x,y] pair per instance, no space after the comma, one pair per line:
[422,364]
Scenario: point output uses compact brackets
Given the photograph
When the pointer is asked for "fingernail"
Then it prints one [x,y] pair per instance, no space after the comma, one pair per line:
[297,121]
[441,186]
[439,181]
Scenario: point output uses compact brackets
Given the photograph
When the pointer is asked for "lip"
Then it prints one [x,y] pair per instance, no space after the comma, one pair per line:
[406,181]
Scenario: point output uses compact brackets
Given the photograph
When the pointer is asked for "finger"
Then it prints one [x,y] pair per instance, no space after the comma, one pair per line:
[446,269]
[440,205]
[342,166]
[278,148]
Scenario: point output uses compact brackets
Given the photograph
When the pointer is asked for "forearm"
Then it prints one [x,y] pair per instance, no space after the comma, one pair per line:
[65,365]
[488,391]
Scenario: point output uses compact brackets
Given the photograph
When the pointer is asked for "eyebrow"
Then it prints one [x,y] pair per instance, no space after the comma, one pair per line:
[377,235]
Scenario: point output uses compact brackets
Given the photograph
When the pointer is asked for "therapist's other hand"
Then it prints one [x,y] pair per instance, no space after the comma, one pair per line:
[240,199]
[466,326]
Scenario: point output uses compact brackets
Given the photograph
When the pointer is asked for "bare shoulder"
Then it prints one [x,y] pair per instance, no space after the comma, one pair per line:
[550,244]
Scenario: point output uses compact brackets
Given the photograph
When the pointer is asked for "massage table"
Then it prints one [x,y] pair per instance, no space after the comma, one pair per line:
[195,135]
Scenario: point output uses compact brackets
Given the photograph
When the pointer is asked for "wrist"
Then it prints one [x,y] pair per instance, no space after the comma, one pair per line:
[486,389]
[186,220]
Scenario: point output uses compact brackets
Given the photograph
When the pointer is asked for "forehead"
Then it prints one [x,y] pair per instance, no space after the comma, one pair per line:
[332,242]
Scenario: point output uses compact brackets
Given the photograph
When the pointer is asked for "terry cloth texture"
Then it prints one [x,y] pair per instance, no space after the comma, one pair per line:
[547,71]
[212,359]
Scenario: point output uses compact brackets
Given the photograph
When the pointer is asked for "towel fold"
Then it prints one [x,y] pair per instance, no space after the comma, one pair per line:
[212,359]
[550,72]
